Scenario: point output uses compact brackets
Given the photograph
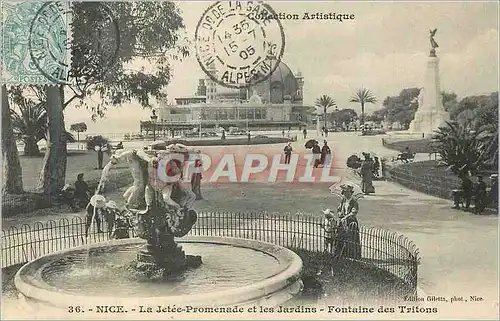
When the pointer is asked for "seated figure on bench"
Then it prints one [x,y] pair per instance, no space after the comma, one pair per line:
[406,155]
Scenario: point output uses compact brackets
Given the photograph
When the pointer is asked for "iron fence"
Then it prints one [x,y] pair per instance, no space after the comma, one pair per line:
[380,248]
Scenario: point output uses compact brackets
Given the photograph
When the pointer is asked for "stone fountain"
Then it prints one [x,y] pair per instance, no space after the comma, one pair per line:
[234,270]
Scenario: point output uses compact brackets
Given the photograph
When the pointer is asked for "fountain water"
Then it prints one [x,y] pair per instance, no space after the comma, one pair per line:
[234,271]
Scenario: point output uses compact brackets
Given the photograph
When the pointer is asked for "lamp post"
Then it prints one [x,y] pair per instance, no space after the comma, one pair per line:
[153,121]
[199,131]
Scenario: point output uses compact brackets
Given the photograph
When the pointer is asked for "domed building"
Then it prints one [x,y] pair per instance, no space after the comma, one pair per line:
[282,86]
[269,103]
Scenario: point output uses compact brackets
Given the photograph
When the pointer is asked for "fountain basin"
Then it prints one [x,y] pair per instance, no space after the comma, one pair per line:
[278,279]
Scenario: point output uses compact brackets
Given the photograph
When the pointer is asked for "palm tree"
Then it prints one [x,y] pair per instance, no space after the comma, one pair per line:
[461,147]
[30,124]
[325,102]
[363,96]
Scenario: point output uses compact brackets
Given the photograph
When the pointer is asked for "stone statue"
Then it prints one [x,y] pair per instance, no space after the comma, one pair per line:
[434,44]
[139,163]
[160,218]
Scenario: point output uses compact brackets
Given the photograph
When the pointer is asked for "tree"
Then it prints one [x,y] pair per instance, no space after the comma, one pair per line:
[324,102]
[107,37]
[30,124]
[461,147]
[450,102]
[363,96]
[344,116]
[29,121]
[402,108]
[379,115]
[78,128]
[12,174]
[53,173]
[100,144]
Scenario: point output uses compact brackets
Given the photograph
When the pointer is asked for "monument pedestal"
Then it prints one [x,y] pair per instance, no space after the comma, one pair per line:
[430,114]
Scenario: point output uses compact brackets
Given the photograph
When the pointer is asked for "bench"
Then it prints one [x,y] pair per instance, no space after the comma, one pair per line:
[458,197]
[405,157]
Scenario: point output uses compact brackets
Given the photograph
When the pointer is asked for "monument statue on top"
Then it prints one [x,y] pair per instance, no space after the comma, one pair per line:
[434,44]
[430,114]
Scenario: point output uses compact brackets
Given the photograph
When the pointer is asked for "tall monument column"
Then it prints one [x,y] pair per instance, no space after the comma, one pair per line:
[430,114]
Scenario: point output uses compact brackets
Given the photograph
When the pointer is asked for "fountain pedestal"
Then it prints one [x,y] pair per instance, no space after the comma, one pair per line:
[169,257]
[161,256]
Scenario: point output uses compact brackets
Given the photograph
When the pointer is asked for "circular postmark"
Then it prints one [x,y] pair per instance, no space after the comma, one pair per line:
[239,44]
[48,42]
[95,49]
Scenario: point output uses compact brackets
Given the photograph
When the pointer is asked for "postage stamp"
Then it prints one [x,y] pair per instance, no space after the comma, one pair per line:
[238,44]
[35,42]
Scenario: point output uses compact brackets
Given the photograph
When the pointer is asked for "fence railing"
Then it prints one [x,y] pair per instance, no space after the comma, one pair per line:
[439,186]
[380,248]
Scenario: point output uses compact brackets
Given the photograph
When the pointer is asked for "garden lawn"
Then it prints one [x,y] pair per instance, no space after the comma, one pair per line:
[78,162]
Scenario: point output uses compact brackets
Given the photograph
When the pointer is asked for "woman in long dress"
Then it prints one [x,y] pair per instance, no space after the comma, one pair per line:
[367,167]
[348,243]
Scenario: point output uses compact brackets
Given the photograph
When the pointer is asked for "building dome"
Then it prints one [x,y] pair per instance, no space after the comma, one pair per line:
[282,83]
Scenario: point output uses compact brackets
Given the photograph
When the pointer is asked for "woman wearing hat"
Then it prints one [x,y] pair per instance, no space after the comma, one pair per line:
[367,167]
[348,242]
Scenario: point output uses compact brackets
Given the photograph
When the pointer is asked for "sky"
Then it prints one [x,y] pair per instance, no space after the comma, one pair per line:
[384,49]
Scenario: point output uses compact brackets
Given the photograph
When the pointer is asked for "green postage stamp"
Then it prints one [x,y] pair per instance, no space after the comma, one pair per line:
[35,38]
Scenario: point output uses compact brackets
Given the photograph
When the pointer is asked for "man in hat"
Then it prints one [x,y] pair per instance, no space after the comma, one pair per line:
[288,153]
[479,195]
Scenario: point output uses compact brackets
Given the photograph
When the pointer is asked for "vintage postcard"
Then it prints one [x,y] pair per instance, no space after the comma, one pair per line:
[249,160]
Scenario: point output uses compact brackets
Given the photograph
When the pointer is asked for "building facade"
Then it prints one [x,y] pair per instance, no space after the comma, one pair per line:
[273,102]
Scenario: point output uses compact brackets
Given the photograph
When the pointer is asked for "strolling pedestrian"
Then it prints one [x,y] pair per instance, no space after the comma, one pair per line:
[479,195]
[367,174]
[325,154]
[288,153]
[305,133]
[467,189]
[316,154]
